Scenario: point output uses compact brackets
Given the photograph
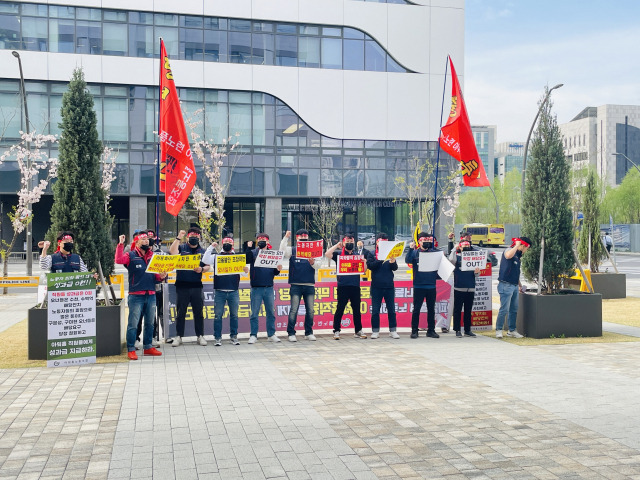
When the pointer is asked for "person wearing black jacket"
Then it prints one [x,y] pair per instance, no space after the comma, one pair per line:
[464,288]
[189,285]
[424,284]
[382,288]
[262,291]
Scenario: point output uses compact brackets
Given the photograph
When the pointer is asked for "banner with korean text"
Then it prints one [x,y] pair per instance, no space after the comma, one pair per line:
[351,265]
[230,264]
[269,258]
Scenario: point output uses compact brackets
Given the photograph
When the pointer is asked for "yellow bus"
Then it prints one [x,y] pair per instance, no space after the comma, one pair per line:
[485,234]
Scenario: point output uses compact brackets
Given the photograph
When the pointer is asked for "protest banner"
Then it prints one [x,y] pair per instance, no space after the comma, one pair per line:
[269,258]
[161,263]
[388,249]
[187,262]
[473,259]
[230,264]
[429,261]
[351,265]
[309,249]
[71,319]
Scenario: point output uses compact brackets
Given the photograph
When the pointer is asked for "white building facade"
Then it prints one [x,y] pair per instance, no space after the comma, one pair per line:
[326,98]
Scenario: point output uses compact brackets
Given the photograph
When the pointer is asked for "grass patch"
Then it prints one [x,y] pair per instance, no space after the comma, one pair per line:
[13,349]
[607,337]
[622,310]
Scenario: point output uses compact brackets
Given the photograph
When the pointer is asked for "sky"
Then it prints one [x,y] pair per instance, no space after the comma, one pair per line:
[513,48]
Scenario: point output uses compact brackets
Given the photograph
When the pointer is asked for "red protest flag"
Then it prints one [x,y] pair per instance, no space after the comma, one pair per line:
[177,172]
[457,139]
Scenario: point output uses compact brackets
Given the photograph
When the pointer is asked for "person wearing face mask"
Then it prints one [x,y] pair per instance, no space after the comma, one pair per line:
[382,288]
[63,260]
[424,284]
[225,292]
[261,280]
[508,284]
[464,287]
[302,278]
[360,250]
[348,289]
[155,246]
[142,292]
[189,285]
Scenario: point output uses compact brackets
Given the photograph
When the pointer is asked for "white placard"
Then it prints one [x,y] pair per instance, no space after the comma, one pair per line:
[385,247]
[429,261]
[473,259]
[269,258]
[445,269]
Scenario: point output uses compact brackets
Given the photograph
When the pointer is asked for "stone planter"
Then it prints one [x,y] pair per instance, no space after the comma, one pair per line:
[541,316]
[110,331]
[610,285]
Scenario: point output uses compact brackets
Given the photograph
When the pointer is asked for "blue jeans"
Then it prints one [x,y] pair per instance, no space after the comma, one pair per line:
[140,305]
[266,295]
[508,305]
[389,295]
[308,292]
[233,300]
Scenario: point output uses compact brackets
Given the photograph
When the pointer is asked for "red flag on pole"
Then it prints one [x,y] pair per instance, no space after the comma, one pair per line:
[177,172]
[457,139]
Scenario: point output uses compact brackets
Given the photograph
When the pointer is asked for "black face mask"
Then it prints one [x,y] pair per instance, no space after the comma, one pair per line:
[193,241]
[467,249]
[262,244]
[348,246]
[152,242]
[144,248]
[427,245]
[68,247]
[227,247]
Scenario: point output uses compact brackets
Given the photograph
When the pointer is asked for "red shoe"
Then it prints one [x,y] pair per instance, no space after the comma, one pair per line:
[132,355]
[153,351]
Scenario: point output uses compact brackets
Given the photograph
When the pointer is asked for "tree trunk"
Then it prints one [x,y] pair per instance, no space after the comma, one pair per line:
[5,267]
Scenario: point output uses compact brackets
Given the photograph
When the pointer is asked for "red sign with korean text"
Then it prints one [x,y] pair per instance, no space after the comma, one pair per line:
[351,265]
[309,248]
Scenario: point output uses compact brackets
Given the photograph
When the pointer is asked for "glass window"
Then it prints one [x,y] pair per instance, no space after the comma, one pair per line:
[216,121]
[114,39]
[240,25]
[263,49]
[191,21]
[9,32]
[309,30]
[61,36]
[34,34]
[263,181]
[331,183]
[215,46]
[214,23]
[115,16]
[375,57]
[332,53]
[9,176]
[392,187]
[170,37]
[262,27]
[239,47]
[240,123]
[166,19]
[89,37]
[332,31]
[240,182]
[11,108]
[116,119]
[286,50]
[141,17]
[354,55]
[191,41]
[264,161]
[141,41]
[374,183]
[89,14]
[62,12]
[353,183]
[8,7]
[286,181]
[263,125]
[353,33]
[286,28]
[393,66]
[32,9]
[38,106]
[142,120]
[309,52]
[309,182]
[240,97]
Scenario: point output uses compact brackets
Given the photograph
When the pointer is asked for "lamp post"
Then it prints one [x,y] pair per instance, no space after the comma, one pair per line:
[526,145]
[628,159]
[26,120]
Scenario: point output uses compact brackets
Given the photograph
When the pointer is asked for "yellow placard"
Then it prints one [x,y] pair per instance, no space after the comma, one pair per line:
[162,263]
[396,251]
[230,264]
[187,262]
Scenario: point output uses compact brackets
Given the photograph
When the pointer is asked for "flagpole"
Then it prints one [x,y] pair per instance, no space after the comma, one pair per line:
[157,230]
[435,190]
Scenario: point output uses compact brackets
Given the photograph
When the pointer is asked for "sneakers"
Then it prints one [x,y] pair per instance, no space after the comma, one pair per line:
[292,338]
[469,334]
[177,341]
[138,345]
[498,333]
[514,334]
[132,355]
[432,334]
[274,339]
[218,342]
[202,341]
[252,339]
[359,334]
[153,352]
[375,334]
[154,343]
[414,334]
[234,341]
[394,334]
[444,330]
[336,335]
[458,334]
[311,337]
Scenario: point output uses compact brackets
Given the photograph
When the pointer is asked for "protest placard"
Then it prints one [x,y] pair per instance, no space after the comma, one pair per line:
[269,258]
[351,265]
[309,249]
[445,269]
[187,262]
[230,264]
[390,249]
[429,261]
[473,259]
[161,263]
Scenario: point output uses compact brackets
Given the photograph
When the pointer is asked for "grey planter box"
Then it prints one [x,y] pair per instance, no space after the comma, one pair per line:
[110,331]
[610,285]
[540,316]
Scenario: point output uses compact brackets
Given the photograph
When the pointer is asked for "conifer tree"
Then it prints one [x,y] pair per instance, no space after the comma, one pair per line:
[78,197]
[546,207]
[591,212]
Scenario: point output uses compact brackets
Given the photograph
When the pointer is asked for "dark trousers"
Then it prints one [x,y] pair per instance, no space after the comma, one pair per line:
[307,293]
[346,294]
[389,296]
[462,300]
[419,296]
[193,296]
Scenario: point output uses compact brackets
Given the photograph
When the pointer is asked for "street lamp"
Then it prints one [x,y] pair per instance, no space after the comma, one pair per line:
[628,159]
[26,119]
[526,145]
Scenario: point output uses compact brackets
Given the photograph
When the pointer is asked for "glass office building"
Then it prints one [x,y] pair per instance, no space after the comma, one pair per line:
[323,105]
